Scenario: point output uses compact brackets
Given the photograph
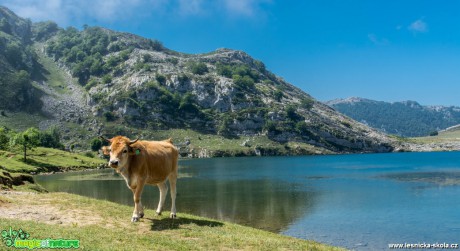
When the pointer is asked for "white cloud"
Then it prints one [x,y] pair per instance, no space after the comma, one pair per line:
[244,7]
[68,12]
[418,26]
[376,40]
[190,7]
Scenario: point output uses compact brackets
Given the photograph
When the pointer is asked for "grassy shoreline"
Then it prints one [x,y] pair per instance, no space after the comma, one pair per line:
[103,225]
[15,173]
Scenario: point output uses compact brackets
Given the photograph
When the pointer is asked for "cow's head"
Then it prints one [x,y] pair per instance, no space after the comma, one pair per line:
[119,151]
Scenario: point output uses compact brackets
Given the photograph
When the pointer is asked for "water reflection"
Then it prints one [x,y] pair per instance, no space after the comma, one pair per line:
[444,178]
[259,203]
[361,202]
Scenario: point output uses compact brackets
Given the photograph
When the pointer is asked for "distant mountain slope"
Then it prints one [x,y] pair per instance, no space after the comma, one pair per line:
[18,65]
[406,118]
[98,81]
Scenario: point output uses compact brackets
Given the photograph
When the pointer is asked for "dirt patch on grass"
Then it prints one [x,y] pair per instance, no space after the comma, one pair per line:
[29,206]
[3,201]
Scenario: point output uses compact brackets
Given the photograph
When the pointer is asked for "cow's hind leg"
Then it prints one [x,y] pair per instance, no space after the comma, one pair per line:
[163,191]
[172,184]
[138,210]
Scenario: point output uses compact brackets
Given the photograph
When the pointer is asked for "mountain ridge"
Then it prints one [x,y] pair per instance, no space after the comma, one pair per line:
[403,118]
[98,81]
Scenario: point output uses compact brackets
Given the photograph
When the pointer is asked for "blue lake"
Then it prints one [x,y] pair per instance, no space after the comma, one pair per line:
[361,202]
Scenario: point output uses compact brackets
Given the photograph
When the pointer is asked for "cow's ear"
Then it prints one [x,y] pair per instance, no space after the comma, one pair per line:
[106,150]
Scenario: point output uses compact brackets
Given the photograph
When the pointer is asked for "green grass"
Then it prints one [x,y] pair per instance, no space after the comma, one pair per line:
[232,146]
[53,74]
[39,160]
[442,137]
[46,159]
[102,225]
[20,121]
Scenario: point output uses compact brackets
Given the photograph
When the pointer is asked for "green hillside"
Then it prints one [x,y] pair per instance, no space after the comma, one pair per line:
[18,64]
[408,118]
[97,81]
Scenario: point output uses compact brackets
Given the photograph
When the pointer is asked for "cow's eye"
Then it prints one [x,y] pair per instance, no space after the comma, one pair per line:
[125,151]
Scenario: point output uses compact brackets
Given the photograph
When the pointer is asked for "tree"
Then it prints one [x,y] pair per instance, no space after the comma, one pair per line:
[28,139]
[4,138]
[434,133]
[96,144]
[51,138]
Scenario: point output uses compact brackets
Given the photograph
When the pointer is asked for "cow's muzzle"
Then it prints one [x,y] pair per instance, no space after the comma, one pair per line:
[113,163]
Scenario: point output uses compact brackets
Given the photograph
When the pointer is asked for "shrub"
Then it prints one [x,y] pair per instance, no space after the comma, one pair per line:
[183,78]
[244,82]
[91,83]
[50,138]
[307,103]
[4,138]
[96,144]
[89,154]
[301,127]
[173,61]
[107,79]
[109,116]
[278,95]
[270,126]
[224,70]
[161,78]
[198,68]
[146,58]
[188,103]
[291,112]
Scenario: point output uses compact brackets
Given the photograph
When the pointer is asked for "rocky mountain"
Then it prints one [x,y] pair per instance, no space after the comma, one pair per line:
[406,118]
[17,63]
[98,81]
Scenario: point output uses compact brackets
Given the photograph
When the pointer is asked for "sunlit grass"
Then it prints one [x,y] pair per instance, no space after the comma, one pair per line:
[108,227]
[442,137]
[43,159]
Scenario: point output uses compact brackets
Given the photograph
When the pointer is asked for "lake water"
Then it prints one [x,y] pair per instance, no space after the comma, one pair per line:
[361,202]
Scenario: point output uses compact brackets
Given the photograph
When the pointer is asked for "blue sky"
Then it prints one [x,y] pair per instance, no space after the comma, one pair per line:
[382,50]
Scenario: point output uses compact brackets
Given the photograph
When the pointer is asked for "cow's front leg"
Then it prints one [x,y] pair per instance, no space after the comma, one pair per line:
[163,191]
[172,184]
[138,209]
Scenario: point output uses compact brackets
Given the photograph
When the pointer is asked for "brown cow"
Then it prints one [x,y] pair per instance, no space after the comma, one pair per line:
[145,162]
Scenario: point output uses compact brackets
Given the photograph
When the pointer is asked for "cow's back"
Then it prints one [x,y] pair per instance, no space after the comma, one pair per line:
[156,160]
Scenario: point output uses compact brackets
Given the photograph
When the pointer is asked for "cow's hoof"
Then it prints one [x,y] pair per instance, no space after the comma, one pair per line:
[172,216]
[135,219]
[141,215]
[158,213]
